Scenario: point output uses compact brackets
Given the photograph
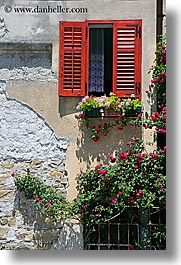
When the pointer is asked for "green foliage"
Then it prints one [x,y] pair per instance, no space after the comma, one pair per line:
[132,179]
[50,201]
[158,70]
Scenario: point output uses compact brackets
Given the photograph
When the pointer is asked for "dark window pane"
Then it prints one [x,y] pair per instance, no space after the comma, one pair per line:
[104,234]
[113,234]
[123,234]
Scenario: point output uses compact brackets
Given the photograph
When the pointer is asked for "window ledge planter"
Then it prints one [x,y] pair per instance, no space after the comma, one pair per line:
[132,112]
[95,112]
[111,113]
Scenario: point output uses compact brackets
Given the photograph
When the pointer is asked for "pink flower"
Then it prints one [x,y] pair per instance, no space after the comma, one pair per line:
[164,110]
[132,96]
[123,155]
[131,152]
[135,136]
[154,118]
[120,127]
[114,201]
[95,215]
[112,158]
[163,131]
[120,193]
[131,247]
[116,120]
[155,156]
[140,156]
[138,195]
[98,166]
[107,179]
[48,203]
[139,115]
[156,114]
[121,117]
[131,200]
[95,139]
[163,75]
[37,199]
[136,166]
[165,149]
[85,206]
[98,129]
[102,172]
[140,191]
[130,143]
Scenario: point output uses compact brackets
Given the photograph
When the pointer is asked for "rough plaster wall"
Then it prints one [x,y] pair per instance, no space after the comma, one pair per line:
[28,142]
[25,134]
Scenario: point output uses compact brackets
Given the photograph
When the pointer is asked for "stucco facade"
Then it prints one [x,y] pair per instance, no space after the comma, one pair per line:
[29,102]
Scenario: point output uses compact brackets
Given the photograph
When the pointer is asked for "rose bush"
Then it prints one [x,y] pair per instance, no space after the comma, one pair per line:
[133,178]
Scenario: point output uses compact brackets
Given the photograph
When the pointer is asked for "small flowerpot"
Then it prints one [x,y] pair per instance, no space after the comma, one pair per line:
[133,113]
[92,113]
[111,113]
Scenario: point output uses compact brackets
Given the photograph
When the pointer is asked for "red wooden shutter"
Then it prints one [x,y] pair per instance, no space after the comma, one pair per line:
[127,58]
[72,59]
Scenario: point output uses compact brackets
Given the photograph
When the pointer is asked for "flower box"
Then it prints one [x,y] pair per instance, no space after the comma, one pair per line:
[133,113]
[96,112]
[111,113]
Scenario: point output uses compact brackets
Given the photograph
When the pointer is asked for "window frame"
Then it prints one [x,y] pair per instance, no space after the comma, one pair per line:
[137,66]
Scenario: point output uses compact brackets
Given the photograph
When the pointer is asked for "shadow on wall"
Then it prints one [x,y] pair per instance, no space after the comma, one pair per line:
[67,105]
[89,151]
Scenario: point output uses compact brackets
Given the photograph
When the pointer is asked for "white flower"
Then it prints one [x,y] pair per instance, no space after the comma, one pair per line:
[85,98]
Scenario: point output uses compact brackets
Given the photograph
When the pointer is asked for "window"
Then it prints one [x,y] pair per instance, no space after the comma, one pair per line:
[99,57]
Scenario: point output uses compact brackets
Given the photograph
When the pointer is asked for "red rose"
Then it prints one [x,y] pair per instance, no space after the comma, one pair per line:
[123,155]
[154,118]
[95,139]
[120,127]
[131,247]
[156,114]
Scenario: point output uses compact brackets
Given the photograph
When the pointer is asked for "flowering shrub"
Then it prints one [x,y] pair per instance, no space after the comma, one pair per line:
[133,178]
[50,201]
[158,82]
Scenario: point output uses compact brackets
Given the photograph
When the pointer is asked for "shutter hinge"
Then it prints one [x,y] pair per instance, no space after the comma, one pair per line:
[138,87]
[138,30]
